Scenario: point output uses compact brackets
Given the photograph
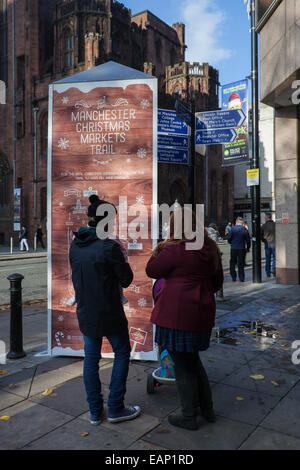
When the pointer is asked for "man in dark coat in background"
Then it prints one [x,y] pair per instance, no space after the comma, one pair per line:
[98,270]
[240,242]
[269,238]
[39,236]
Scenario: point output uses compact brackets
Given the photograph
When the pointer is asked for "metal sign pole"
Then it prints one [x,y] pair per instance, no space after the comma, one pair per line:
[255,190]
[192,158]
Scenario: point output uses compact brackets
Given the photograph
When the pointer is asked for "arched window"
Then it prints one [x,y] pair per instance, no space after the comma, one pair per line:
[69,49]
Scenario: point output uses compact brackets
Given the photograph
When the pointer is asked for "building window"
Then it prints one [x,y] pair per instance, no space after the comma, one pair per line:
[43,204]
[4,190]
[3,41]
[5,177]
[158,47]
[44,135]
[69,50]
[21,71]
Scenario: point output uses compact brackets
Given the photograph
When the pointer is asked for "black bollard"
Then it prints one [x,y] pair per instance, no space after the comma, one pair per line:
[16,328]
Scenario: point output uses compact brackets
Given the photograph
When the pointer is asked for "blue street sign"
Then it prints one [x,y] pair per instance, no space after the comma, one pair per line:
[220,119]
[216,136]
[169,123]
[172,155]
[173,141]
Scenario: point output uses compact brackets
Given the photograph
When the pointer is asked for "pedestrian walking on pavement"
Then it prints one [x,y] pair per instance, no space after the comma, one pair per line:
[212,231]
[228,228]
[98,270]
[269,238]
[23,239]
[39,236]
[184,315]
[240,242]
[246,227]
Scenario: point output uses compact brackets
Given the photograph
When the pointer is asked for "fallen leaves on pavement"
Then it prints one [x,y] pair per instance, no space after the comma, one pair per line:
[47,392]
[276,384]
[257,377]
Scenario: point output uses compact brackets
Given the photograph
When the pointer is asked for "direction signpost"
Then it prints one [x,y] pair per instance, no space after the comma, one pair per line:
[173,155]
[173,138]
[218,127]
[169,123]
[220,119]
[167,140]
[216,136]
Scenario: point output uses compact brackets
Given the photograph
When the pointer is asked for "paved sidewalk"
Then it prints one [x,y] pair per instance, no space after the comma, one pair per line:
[6,255]
[258,412]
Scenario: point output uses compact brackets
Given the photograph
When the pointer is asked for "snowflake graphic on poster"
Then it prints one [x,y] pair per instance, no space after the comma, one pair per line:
[63,143]
[128,160]
[140,199]
[60,318]
[65,100]
[142,153]
[63,302]
[142,302]
[145,104]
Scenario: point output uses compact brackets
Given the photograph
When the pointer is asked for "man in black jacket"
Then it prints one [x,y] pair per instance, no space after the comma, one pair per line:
[240,242]
[98,271]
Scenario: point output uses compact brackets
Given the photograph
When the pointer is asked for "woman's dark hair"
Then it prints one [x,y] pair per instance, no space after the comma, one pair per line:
[172,238]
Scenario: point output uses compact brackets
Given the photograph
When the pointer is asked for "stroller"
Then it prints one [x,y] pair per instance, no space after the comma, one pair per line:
[165,373]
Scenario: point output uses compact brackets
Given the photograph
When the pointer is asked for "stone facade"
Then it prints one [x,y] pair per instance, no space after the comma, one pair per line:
[280,67]
[63,37]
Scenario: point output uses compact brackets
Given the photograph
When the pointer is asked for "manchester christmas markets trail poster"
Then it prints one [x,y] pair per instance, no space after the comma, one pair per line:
[103,137]
[235,96]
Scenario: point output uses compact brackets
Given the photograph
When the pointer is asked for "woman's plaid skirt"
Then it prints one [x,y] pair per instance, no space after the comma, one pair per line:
[182,341]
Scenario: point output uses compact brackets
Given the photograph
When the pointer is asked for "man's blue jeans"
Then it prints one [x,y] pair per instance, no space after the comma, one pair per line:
[270,253]
[92,347]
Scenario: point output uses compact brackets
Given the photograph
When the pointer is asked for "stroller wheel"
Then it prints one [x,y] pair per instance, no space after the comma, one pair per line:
[150,384]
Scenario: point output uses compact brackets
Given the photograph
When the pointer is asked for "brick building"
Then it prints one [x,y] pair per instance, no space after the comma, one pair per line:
[56,38]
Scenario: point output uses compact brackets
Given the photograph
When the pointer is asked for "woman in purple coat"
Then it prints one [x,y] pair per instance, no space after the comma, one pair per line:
[184,315]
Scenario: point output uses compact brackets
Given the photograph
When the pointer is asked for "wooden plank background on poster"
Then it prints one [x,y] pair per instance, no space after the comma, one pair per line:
[101,140]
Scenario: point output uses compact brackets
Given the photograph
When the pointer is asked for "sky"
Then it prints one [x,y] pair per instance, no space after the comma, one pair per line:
[217,32]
